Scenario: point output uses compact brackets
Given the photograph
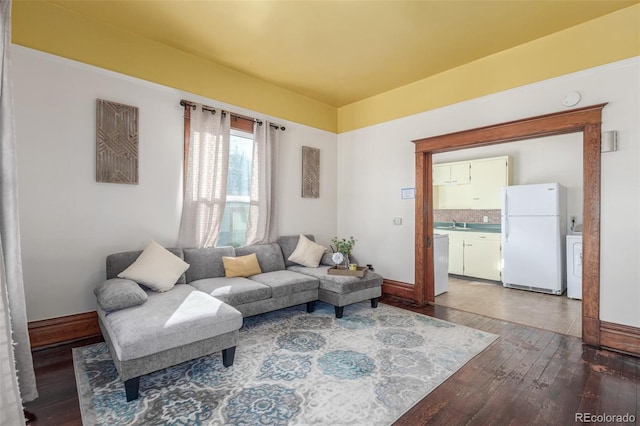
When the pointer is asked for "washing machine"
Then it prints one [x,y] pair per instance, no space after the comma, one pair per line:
[574,266]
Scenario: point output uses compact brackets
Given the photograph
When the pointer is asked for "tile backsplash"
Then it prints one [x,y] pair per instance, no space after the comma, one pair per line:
[466,215]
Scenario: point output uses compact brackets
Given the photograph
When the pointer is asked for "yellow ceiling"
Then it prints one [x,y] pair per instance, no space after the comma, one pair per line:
[340,52]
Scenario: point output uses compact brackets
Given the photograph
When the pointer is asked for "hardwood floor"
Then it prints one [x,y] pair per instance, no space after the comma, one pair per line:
[528,376]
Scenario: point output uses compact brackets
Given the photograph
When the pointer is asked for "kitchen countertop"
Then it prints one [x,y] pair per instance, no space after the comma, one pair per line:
[470,227]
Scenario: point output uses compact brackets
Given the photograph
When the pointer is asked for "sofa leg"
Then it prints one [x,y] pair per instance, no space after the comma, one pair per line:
[311,306]
[228,355]
[339,311]
[374,302]
[131,388]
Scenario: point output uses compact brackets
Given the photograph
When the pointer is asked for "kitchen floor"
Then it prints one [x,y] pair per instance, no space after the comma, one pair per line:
[555,313]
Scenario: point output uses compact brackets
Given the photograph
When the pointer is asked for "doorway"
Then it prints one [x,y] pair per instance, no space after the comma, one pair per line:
[480,290]
[586,120]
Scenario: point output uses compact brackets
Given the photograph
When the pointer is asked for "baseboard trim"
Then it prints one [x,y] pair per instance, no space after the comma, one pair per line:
[398,289]
[618,337]
[55,331]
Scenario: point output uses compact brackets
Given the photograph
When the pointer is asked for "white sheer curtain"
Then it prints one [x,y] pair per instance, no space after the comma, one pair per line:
[205,190]
[262,225]
[17,378]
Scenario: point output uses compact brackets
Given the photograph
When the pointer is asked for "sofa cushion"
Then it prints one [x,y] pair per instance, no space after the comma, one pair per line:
[269,256]
[118,262]
[156,268]
[307,253]
[234,291]
[118,293]
[206,262]
[341,284]
[284,283]
[288,245]
[241,266]
[167,320]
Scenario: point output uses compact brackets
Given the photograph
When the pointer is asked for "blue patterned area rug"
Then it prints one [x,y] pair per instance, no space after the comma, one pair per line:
[291,368]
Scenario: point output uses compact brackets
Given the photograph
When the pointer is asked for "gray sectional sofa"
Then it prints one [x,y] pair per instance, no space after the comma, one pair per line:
[203,312]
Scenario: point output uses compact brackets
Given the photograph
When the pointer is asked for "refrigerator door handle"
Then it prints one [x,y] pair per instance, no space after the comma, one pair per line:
[506,217]
[506,229]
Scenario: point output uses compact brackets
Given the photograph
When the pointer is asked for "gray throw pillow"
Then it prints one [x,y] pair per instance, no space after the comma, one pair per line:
[118,293]
[326,259]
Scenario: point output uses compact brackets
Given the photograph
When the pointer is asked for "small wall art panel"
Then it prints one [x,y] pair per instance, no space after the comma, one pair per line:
[310,172]
[116,143]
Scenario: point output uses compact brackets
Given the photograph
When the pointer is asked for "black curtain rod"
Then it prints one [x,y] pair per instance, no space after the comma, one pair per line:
[193,106]
[185,104]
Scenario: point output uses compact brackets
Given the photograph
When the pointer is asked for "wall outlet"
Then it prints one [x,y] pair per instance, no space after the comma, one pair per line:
[397,221]
[574,218]
[485,219]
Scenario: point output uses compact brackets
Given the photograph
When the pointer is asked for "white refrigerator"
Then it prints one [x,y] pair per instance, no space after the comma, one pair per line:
[533,237]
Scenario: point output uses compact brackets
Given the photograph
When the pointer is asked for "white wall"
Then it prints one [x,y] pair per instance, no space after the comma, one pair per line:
[540,160]
[69,222]
[374,163]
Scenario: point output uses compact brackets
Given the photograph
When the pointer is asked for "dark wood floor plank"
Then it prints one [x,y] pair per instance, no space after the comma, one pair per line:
[519,374]
[527,376]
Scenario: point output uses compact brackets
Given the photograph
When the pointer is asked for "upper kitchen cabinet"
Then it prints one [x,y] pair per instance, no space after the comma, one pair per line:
[488,176]
[451,173]
[474,184]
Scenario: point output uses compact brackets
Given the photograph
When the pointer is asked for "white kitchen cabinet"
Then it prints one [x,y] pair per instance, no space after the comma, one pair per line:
[452,197]
[474,184]
[451,173]
[488,176]
[474,254]
[482,256]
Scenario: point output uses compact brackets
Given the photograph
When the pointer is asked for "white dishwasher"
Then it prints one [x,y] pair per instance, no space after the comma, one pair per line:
[440,263]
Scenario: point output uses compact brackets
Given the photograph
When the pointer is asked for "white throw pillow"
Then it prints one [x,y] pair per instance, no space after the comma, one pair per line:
[307,253]
[156,268]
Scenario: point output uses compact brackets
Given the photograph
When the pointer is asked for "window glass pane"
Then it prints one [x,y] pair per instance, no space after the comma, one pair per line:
[240,155]
[234,223]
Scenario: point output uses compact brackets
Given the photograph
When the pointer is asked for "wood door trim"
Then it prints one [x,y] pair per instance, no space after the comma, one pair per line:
[587,120]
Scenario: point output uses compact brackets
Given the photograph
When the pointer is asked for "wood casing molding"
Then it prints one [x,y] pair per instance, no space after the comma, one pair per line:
[55,331]
[587,120]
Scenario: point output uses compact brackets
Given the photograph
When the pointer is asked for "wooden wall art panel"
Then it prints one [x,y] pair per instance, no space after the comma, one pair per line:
[116,143]
[310,172]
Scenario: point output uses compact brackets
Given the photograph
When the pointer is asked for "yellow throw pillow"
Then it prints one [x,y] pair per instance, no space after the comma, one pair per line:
[242,266]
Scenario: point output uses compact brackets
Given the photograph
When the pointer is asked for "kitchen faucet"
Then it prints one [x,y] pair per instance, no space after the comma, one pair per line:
[454,224]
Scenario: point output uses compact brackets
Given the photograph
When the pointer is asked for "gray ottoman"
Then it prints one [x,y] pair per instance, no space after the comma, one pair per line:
[340,290]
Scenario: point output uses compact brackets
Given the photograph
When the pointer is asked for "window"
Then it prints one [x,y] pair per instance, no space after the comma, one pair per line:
[234,223]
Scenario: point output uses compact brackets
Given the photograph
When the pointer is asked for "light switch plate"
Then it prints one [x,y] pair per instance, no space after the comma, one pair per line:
[397,221]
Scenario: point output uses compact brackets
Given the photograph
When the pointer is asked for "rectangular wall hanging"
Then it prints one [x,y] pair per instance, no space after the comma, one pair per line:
[310,172]
[116,143]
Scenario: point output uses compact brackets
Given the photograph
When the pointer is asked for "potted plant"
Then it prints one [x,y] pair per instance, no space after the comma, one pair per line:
[342,250]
